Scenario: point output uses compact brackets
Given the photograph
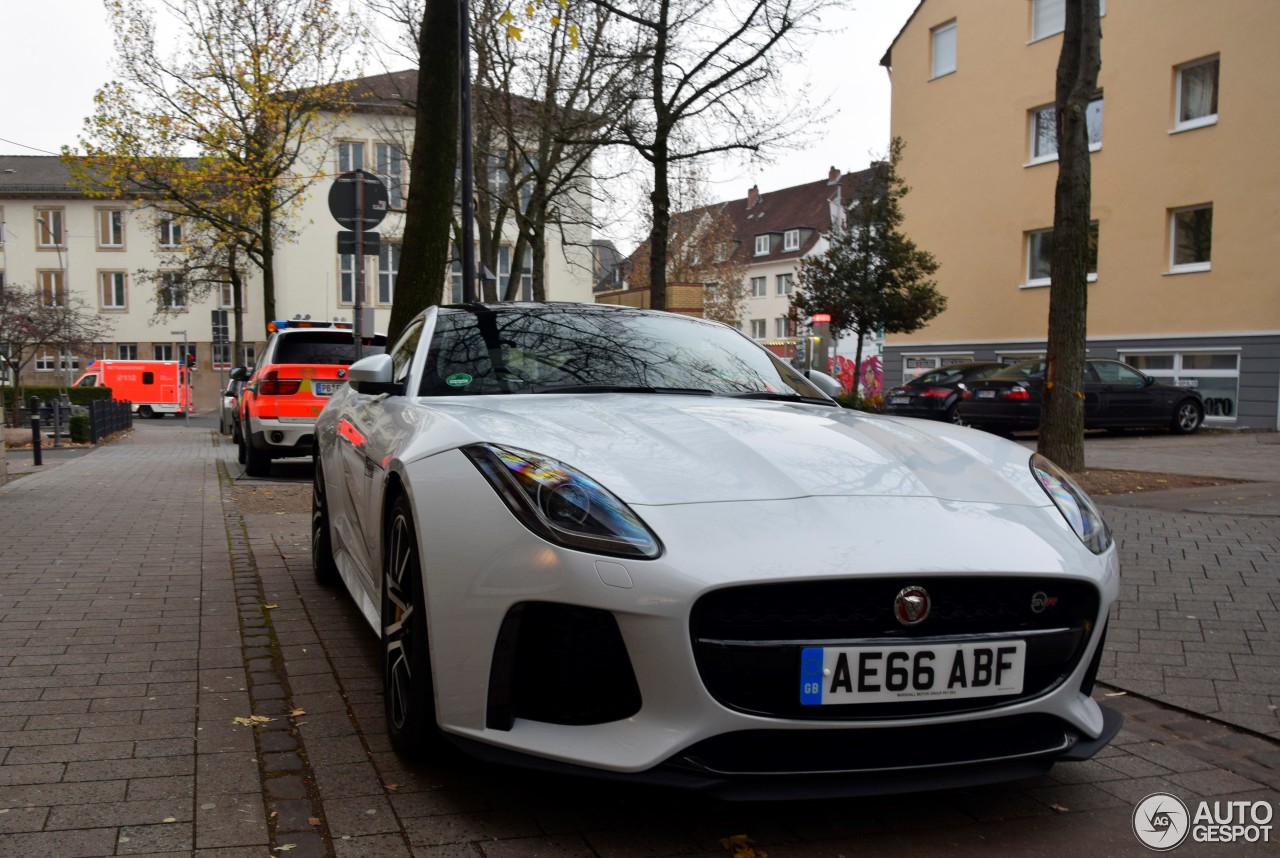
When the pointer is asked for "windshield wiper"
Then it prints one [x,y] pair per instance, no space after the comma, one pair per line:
[609,388]
[784,397]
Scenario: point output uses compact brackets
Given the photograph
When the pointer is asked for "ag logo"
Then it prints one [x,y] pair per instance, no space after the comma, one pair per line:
[1161,821]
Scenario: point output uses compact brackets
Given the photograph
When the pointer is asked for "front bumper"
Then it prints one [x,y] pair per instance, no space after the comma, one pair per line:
[495,565]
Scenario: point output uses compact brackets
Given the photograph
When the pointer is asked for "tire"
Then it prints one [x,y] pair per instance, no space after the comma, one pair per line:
[257,463]
[953,416]
[321,543]
[146,412]
[242,453]
[1187,417]
[408,693]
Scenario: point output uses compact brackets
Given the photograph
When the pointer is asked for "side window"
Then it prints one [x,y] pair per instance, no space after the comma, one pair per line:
[148,378]
[403,351]
[88,381]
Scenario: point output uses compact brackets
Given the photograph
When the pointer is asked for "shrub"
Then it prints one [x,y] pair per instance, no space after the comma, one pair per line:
[46,393]
[79,428]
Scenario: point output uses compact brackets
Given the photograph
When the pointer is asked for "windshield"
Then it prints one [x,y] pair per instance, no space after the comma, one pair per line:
[528,349]
[1027,369]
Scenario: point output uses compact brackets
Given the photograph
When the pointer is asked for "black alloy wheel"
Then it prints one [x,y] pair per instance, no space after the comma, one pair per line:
[953,416]
[407,690]
[1187,417]
[322,561]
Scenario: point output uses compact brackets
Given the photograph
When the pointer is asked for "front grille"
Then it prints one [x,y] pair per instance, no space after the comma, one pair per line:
[748,640]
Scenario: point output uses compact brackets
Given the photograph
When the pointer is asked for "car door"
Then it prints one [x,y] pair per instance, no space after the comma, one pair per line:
[370,431]
[1127,395]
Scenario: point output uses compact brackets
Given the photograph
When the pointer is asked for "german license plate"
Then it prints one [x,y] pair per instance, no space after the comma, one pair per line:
[327,388]
[830,675]
[986,394]
[899,400]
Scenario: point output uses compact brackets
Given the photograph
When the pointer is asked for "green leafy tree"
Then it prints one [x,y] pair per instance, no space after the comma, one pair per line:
[213,124]
[1062,409]
[872,276]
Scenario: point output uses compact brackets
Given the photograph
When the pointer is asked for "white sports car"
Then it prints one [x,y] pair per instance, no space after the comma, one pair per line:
[632,544]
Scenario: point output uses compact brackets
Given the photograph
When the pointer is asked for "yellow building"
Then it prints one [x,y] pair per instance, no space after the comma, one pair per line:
[1186,189]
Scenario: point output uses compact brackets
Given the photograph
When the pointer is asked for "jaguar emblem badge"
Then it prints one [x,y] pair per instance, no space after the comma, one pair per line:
[911,605]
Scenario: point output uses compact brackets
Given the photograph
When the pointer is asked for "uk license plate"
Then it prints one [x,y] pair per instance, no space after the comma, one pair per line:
[833,675]
[327,388]
[986,394]
[899,400]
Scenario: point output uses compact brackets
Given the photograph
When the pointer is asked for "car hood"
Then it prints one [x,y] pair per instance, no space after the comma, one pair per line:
[673,449]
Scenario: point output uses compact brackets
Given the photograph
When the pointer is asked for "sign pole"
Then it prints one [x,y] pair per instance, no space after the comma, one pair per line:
[359,263]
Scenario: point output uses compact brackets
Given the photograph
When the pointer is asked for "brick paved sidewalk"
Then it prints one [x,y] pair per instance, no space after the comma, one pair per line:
[141,613]
[121,662]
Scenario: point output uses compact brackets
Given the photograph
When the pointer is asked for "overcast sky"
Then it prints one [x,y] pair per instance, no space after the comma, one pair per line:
[55,54]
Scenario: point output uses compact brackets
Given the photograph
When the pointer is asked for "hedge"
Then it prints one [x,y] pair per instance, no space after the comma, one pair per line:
[47,393]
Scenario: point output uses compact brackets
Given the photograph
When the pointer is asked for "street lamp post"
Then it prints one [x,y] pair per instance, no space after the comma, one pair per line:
[467,251]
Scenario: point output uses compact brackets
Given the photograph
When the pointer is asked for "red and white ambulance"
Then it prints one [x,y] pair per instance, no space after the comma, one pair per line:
[155,387]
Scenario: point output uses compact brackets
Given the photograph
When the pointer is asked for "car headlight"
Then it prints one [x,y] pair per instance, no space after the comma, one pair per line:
[1074,504]
[563,505]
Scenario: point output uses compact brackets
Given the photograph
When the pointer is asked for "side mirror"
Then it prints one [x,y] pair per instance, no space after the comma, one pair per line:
[824,382]
[372,375]
[240,373]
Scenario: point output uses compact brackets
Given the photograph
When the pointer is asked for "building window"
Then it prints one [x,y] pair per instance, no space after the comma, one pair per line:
[168,231]
[1191,238]
[388,268]
[110,229]
[943,39]
[1040,255]
[112,289]
[53,289]
[171,293]
[762,245]
[526,275]
[46,361]
[1044,130]
[782,325]
[68,362]
[1197,94]
[785,283]
[791,239]
[185,350]
[346,278]
[49,231]
[455,275]
[350,156]
[126,351]
[758,287]
[226,294]
[757,328]
[1216,375]
[391,170]
[162,351]
[1049,17]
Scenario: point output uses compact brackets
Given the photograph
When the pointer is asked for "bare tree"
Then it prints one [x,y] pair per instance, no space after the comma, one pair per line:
[1062,410]
[702,249]
[31,322]
[711,70]
[215,128]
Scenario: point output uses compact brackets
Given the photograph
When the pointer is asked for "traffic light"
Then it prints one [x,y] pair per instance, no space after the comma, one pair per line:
[191,361]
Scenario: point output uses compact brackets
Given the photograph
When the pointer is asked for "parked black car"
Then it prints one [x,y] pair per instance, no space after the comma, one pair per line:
[936,393]
[1116,396]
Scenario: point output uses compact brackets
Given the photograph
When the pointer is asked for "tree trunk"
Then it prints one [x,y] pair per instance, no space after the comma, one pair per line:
[660,232]
[237,311]
[857,362]
[1062,411]
[429,207]
[268,258]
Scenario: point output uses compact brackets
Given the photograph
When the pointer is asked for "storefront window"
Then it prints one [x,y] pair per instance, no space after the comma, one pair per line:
[1214,375]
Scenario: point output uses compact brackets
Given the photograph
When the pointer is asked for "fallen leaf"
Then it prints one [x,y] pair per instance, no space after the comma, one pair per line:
[269,607]
[294,713]
[1060,809]
[170,819]
[251,720]
[313,820]
[273,814]
[285,847]
[392,787]
[1115,694]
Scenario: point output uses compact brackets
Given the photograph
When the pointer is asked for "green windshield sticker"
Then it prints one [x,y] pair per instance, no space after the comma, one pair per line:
[458,379]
